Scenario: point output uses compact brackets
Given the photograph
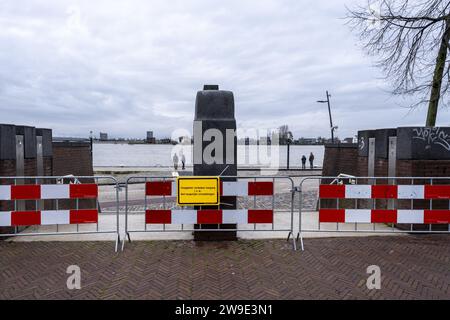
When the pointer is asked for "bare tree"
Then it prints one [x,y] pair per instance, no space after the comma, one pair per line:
[411,40]
[285,135]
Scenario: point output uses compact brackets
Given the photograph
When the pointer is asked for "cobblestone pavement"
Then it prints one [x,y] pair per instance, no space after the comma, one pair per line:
[282,201]
[412,267]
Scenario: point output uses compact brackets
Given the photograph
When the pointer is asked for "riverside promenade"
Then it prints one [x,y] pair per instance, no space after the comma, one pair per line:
[333,266]
[412,267]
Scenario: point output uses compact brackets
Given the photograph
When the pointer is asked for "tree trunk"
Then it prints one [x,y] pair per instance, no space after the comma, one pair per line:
[437,77]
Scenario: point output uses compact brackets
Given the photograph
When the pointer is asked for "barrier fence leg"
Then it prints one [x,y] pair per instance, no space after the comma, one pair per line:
[117,242]
[289,235]
[300,203]
[127,236]
[299,237]
[294,245]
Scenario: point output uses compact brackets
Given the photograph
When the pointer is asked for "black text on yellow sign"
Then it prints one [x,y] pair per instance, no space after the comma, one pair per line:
[198,191]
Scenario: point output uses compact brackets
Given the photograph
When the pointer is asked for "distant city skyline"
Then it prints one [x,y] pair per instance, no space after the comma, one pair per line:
[124,68]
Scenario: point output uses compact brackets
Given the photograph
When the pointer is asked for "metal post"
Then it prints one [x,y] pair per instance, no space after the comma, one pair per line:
[331,120]
[329,113]
[288,151]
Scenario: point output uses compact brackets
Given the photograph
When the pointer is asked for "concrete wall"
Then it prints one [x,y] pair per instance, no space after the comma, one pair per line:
[9,162]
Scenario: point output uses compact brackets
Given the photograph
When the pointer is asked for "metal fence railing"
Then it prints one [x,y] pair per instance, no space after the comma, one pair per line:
[376,205]
[252,204]
[51,206]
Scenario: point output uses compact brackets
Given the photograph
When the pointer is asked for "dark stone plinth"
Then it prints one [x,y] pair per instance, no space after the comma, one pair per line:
[363,142]
[46,134]
[423,143]
[214,105]
[382,142]
[29,138]
[7,142]
[223,168]
[214,109]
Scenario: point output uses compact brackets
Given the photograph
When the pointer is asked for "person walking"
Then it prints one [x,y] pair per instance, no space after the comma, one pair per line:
[175,161]
[303,162]
[311,160]
[183,161]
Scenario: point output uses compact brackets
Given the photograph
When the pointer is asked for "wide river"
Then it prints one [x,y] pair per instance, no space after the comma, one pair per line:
[160,155]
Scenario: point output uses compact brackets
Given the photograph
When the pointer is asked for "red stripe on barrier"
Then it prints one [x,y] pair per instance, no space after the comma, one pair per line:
[84,190]
[158,188]
[158,216]
[437,216]
[25,218]
[83,216]
[209,216]
[384,216]
[327,191]
[260,216]
[384,192]
[26,192]
[260,188]
[332,215]
[437,192]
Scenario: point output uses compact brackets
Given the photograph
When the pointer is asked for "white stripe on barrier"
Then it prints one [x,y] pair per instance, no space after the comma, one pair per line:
[184,216]
[355,215]
[235,216]
[410,192]
[55,191]
[358,191]
[410,216]
[5,192]
[235,188]
[174,188]
[55,217]
[5,218]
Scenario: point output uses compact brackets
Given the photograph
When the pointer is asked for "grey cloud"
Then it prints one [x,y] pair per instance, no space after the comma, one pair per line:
[125,67]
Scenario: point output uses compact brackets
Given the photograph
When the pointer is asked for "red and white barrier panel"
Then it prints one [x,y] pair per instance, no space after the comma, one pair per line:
[48,191]
[384,216]
[208,216]
[349,191]
[227,188]
[47,217]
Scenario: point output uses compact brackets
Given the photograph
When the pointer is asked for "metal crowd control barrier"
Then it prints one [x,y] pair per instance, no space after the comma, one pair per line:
[50,205]
[377,205]
[154,208]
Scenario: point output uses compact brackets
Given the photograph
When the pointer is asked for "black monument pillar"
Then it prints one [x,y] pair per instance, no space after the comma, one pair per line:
[215,150]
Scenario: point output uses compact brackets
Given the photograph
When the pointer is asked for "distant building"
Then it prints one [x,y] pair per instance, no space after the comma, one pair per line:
[166,141]
[264,140]
[336,140]
[150,137]
[348,140]
[307,141]
[103,136]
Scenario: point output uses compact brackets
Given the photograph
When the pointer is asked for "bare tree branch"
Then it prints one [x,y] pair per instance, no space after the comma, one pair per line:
[408,39]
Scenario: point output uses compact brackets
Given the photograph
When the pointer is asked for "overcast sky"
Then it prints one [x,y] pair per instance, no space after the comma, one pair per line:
[124,67]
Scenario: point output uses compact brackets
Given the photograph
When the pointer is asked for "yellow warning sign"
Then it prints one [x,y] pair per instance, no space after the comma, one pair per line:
[198,191]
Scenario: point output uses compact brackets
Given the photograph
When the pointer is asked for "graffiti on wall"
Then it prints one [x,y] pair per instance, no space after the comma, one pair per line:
[433,136]
[362,143]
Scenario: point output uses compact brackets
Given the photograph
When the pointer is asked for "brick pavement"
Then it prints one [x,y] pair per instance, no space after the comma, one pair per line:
[413,267]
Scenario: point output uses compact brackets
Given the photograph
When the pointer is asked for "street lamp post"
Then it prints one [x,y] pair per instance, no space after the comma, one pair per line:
[329,113]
